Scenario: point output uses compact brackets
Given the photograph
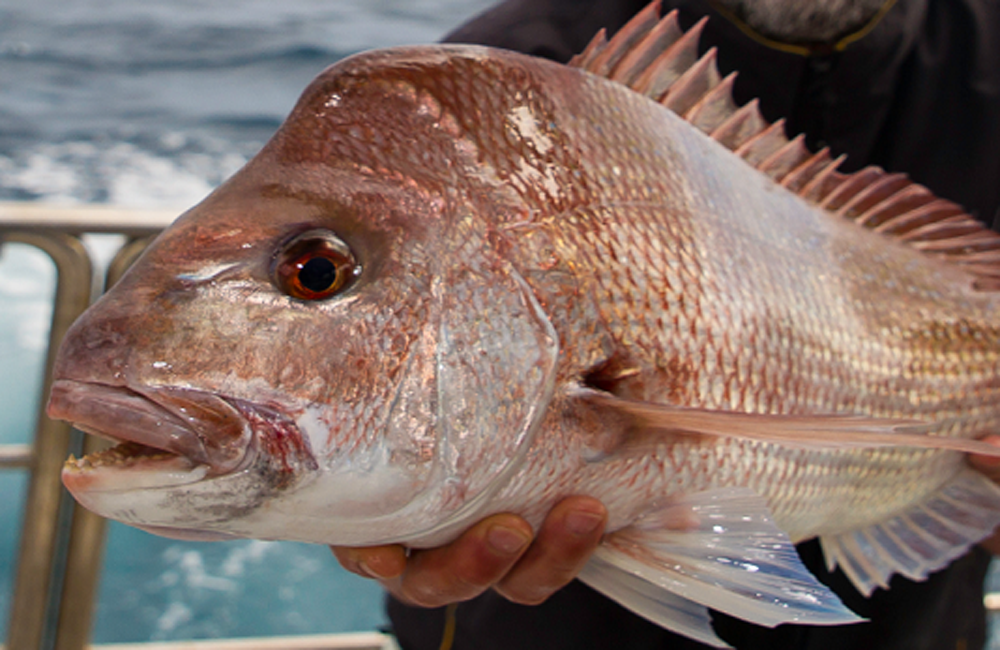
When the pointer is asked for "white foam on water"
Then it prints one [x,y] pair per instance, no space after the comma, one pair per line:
[120,173]
[252,552]
[174,616]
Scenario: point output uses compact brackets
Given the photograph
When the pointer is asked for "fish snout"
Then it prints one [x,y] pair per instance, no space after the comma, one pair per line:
[200,427]
[94,351]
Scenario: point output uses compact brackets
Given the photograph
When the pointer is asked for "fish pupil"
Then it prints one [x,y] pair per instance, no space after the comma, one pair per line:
[318,274]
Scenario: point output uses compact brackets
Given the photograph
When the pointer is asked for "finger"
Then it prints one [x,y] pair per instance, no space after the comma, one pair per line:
[565,542]
[378,562]
[465,568]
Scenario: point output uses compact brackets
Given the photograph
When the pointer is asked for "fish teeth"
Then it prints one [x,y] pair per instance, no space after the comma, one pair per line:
[120,455]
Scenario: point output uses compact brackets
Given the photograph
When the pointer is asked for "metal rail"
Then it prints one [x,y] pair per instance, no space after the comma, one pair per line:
[358,641]
[44,539]
[349,641]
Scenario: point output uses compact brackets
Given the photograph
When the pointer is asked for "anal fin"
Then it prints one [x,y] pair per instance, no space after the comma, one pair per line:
[673,612]
[922,540]
[719,549]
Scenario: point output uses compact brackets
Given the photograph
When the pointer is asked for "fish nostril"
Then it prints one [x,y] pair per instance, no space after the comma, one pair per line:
[92,349]
[98,338]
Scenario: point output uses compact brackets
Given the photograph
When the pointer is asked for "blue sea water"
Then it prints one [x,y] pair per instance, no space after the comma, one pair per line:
[152,104]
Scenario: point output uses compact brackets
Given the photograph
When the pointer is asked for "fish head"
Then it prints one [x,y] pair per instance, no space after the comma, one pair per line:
[329,348]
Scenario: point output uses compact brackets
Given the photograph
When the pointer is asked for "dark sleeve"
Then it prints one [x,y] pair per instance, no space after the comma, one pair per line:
[553,29]
[944,125]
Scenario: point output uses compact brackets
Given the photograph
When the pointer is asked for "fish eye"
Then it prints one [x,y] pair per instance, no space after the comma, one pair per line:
[316,265]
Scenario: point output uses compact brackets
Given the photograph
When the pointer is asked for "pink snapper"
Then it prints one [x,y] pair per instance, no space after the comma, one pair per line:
[460,281]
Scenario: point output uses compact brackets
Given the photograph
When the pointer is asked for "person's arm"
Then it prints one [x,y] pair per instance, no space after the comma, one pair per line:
[499,552]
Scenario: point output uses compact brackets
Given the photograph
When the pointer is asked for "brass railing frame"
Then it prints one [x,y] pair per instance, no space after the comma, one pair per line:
[37,595]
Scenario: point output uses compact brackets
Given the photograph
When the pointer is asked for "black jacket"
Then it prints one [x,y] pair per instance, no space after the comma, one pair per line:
[919,93]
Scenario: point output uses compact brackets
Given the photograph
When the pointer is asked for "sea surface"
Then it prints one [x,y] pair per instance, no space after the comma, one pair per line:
[152,104]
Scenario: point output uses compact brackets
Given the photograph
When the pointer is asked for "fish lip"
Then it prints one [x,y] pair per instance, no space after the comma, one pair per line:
[199,426]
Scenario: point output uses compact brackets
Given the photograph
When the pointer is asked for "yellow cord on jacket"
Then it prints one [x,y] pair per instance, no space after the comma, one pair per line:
[448,635]
[803,50]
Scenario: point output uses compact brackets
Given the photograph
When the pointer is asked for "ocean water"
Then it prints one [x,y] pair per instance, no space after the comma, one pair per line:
[152,104]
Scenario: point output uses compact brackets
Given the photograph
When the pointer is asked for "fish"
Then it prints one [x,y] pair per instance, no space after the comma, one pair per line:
[460,281]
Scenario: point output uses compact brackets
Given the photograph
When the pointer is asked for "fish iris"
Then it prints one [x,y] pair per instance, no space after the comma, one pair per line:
[314,266]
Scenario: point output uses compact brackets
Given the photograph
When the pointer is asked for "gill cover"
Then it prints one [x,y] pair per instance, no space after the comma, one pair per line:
[474,395]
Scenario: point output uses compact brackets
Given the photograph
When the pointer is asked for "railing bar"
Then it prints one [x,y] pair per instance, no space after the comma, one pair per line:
[357,641]
[86,541]
[45,217]
[343,641]
[82,571]
[16,456]
[39,530]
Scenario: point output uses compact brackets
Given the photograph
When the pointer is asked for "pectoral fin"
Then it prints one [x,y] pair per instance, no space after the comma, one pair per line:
[651,601]
[718,549]
[801,431]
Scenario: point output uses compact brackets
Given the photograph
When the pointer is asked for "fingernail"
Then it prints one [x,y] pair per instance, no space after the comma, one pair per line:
[581,522]
[506,540]
[366,570]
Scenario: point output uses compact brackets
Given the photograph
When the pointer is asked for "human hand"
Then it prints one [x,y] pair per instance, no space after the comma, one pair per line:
[990,466]
[500,552]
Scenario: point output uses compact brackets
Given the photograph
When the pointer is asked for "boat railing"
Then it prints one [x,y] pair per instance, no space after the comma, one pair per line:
[61,545]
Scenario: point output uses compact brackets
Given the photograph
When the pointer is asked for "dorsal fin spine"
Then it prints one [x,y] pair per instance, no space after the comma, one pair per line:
[785,159]
[762,145]
[740,126]
[671,64]
[904,224]
[850,185]
[691,86]
[872,194]
[625,39]
[713,109]
[911,197]
[585,59]
[824,182]
[659,39]
[795,179]
[654,57]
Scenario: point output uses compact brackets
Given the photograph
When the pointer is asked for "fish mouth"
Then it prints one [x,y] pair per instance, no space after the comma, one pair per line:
[164,436]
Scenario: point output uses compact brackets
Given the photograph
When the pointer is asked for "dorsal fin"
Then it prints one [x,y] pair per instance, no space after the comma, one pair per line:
[656,58]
